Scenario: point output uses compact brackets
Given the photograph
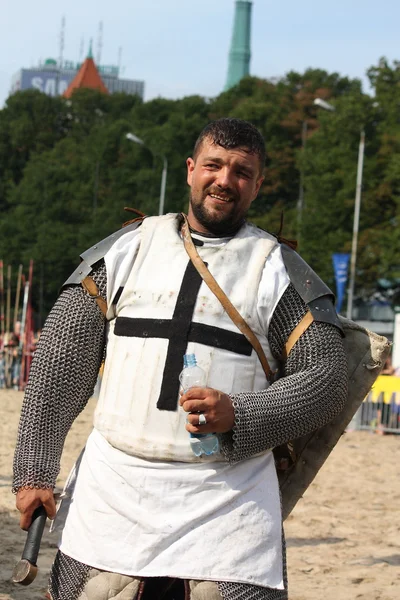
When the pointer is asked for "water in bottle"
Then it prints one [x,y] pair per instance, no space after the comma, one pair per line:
[193,376]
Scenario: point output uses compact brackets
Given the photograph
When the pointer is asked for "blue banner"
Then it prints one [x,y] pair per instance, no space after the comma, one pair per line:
[340,266]
[48,81]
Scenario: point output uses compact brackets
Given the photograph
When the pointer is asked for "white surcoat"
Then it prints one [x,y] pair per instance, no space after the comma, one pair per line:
[127,414]
[139,503]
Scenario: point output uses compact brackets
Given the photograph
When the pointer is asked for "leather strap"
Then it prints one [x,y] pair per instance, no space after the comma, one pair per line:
[298,332]
[126,223]
[90,286]
[233,313]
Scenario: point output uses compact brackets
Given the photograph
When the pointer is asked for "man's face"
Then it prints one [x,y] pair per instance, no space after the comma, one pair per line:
[223,185]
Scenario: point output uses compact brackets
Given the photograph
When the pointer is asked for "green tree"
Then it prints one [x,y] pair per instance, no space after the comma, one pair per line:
[68,170]
[30,122]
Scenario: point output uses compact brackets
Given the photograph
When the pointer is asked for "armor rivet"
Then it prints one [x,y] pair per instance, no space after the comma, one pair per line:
[304,462]
[80,272]
[94,247]
[308,282]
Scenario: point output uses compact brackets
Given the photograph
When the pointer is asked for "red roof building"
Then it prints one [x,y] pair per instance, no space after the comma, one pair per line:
[87,77]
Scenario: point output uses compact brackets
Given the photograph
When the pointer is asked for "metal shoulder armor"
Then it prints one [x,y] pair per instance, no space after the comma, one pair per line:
[91,256]
[310,287]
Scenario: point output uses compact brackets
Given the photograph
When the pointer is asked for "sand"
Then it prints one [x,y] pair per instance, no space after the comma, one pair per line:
[343,537]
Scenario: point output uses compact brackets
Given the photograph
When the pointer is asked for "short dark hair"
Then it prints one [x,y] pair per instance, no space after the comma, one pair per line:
[233,133]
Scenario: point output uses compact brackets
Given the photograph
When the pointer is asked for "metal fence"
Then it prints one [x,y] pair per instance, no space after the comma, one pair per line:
[379,413]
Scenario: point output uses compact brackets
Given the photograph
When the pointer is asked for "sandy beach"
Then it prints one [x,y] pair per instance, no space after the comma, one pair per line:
[343,537]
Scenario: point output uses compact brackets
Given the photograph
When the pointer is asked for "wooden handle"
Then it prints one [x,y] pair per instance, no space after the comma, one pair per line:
[26,569]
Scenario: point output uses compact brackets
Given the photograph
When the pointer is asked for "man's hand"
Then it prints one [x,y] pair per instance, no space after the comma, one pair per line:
[213,404]
[29,499]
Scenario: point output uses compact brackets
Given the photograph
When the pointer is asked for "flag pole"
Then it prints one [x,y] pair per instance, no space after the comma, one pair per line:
[17,295]
[28,336]
[22,336]
[8,356]
[2,301]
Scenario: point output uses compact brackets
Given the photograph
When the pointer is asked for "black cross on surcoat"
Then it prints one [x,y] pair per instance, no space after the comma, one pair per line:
[179,331]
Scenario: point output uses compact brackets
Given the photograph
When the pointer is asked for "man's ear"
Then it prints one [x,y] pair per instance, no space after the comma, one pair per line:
[190,169]
[258,185]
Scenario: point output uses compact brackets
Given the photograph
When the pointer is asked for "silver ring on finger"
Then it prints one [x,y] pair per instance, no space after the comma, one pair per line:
[202,419]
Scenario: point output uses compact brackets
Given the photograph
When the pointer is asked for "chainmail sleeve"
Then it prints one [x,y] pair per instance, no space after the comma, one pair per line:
[310,392]
[61,380]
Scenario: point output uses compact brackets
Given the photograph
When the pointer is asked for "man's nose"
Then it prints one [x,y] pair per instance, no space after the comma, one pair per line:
[224,178]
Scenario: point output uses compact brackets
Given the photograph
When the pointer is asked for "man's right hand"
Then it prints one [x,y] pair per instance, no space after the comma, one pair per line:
[29,499]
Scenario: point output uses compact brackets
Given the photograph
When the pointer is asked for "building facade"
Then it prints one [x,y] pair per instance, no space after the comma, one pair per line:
[52,80]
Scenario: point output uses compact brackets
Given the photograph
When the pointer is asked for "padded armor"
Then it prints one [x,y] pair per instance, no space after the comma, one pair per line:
[69,577]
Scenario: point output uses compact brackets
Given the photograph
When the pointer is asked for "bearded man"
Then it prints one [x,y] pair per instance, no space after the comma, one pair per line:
[149,518]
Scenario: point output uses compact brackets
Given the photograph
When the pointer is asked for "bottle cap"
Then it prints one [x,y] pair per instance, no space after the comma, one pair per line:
[189,360]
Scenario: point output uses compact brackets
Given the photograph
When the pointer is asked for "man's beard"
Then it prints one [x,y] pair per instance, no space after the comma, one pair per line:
[219,223]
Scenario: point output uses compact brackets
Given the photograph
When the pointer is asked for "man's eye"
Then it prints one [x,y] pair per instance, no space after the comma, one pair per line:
[211,166]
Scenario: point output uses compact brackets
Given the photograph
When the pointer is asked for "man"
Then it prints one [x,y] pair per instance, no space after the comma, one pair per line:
[145,510]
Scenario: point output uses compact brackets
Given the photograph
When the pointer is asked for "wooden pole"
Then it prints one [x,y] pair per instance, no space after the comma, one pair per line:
[22,336]
[8,305]
[28,336]
[2,301]
[8,356]
[17,295]
[2,340]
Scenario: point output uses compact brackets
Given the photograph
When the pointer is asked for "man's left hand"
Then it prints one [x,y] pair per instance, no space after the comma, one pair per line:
[214,405]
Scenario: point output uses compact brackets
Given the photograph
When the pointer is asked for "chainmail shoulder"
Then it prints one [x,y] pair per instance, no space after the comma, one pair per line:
[311,390]
[61,380]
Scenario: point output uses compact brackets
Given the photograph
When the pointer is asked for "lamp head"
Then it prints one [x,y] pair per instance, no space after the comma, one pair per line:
[134,138]
[324,104]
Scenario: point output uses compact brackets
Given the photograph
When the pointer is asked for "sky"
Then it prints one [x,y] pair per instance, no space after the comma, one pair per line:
[181,47]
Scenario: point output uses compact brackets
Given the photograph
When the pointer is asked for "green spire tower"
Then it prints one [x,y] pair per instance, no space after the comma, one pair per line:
[239,55]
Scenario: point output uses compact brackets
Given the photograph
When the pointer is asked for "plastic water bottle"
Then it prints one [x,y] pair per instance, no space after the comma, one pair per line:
[193,376]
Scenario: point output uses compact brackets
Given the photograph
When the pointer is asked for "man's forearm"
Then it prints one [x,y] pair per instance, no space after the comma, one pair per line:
[310,393]
[62,379]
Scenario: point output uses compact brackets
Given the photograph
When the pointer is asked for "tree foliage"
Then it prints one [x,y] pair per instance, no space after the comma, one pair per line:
[67,169]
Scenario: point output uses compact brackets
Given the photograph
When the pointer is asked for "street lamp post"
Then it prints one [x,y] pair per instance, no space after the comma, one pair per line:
[357,203]
[134,138]
[163,186]
[300,201]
